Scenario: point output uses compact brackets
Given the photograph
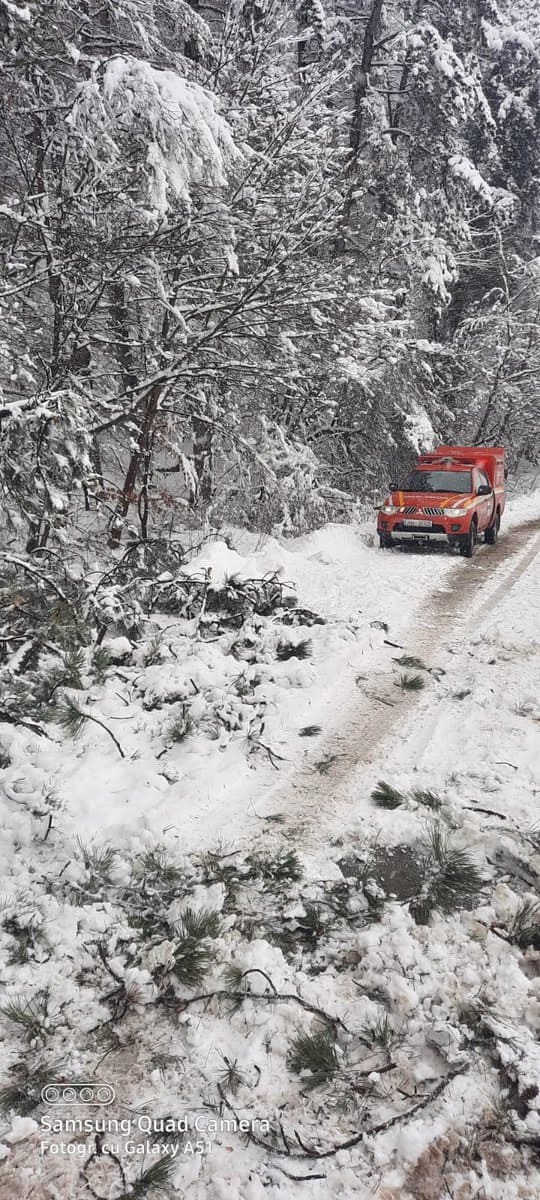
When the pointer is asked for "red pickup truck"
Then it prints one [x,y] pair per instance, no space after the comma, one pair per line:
[453,496]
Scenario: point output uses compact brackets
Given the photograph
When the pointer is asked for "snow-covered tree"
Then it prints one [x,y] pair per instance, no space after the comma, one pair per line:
[256,235]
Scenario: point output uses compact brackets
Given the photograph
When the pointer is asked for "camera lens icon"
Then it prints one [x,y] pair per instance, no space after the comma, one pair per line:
[78,1093]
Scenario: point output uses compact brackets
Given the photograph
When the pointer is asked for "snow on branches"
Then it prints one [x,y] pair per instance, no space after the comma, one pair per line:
[171,124]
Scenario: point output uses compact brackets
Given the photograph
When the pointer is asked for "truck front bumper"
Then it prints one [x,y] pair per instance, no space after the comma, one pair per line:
[420,535]
[394,531]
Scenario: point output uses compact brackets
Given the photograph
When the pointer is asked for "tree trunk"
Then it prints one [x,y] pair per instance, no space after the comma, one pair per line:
[124,352]
[309,42]
[203,458]
[360,93]
[142,449]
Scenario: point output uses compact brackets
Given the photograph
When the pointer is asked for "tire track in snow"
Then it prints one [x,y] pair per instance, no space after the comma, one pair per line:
[326,780]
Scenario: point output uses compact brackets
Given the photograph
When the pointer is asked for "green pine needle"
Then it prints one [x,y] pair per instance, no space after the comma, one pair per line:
[422,908]
[192,960]
[98,861]
[153,1179]
[201,923]
[324,764]
[411,683]
[22,943]
[30,1015]
[285,866]
[453,880]
[101,661]
[381,1033]
[70,717]
[524,929]
[153,654]
[157,870]
[233,978]
[429,799]
[314,1057]
[14,1098]
[73,664]
[231,1077]
[410,660]
[181,726]
[284,938]
[193,954]
[385,796]
[286,650]
[23,1094]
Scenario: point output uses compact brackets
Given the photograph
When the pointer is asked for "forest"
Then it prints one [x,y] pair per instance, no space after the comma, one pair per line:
[255,255]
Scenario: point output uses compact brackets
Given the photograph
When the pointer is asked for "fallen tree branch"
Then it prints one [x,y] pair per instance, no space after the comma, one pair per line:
[258,971]
[117,978]
[298,1178]
[11,719]
[48,829]
[90,717]
[489,812]
[265,997]
[272,754]
[349,1143]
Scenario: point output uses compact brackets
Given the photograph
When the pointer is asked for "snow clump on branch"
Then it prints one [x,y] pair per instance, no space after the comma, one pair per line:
[186,140]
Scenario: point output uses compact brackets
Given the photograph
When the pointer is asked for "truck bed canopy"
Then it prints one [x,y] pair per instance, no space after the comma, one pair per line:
[488,458]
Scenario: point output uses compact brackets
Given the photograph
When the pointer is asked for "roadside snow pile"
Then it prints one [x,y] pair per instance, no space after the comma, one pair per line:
[162,680]
[167,684]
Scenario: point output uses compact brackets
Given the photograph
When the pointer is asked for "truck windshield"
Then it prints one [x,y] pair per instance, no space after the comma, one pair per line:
[438,481]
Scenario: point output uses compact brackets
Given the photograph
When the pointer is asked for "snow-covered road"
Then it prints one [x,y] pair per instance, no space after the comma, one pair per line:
[380,727]
[398,603]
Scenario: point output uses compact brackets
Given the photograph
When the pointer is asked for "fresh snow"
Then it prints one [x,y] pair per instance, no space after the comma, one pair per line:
[470,737]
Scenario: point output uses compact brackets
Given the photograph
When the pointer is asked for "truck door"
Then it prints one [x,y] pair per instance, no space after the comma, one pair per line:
[486,503]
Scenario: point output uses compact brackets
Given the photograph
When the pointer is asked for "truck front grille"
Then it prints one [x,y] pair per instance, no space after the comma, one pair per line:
[410,509]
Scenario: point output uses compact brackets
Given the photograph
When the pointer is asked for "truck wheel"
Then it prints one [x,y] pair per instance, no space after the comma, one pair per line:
[385,541]
[492,533]
[468,541]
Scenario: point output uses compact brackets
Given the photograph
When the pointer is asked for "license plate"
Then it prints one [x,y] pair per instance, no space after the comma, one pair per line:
[418,524]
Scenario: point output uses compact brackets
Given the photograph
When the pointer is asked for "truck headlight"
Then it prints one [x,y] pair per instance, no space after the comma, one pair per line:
[390,508]
[455,512]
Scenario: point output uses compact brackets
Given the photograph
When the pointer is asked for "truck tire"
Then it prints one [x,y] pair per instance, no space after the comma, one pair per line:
[468,541]
[385,541]
[492,533]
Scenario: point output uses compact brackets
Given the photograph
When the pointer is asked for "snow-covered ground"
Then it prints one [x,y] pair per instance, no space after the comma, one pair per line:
[263,813]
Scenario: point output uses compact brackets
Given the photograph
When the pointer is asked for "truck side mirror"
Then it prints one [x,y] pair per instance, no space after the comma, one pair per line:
[485,489]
